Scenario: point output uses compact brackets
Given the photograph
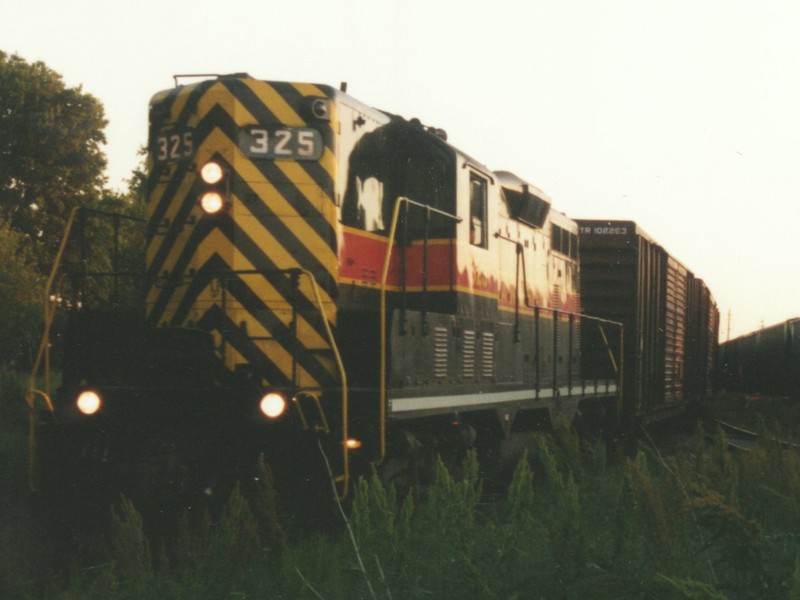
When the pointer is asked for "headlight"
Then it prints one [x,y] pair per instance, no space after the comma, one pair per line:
[212,202]
[211,173]
[273,405]
[89,402]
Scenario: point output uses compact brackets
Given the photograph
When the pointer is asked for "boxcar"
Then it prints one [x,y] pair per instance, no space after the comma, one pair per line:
[669,316]
[764,361]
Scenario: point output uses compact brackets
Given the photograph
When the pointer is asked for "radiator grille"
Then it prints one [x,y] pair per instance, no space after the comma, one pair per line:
[440,339]
[487,362]
[468,355]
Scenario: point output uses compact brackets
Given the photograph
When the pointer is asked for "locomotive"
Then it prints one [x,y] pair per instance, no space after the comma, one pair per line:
[321,278]
[765,361]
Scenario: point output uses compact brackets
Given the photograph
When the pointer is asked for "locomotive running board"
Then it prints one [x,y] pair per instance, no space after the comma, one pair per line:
[440,403]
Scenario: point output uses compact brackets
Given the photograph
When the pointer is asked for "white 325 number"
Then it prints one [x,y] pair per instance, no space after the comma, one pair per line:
[174,146]
[284,143]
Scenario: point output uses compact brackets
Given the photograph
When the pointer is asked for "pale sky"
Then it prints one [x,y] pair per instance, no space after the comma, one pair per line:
[681,115]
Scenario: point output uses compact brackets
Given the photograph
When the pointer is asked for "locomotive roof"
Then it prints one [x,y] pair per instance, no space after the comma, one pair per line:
[515,183]
[506,179]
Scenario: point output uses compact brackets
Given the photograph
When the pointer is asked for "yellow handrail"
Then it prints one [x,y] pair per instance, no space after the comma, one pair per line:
[49,315]
[384,276]
[342,378]
[43,354]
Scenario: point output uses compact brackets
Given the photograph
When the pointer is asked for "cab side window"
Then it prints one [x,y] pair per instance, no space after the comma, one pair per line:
[477,211]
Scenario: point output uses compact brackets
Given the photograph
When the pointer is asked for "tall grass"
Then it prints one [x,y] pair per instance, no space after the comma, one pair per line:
[21,544]
[703,523]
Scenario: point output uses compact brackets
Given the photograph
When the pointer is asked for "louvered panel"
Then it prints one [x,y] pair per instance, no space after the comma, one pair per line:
[487,356]
[440,352]
[468,355]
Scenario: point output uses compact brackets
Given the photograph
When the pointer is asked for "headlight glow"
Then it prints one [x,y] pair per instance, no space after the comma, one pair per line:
[273,405]
[212,202]
[89,402]
[352,444]
[211,173]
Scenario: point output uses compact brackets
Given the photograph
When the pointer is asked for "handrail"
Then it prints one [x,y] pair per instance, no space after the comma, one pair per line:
[43,354]
[51,293]
[334,349]
[342,378]
[44,347]
[619,369]
[384,276]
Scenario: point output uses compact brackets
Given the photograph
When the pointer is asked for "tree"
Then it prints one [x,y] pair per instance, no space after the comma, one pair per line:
[21,299]
[50,152]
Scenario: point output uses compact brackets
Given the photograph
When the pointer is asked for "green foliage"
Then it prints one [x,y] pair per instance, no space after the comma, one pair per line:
[705,524]
[569,446]
[13,410]
[232,545]
[51,161]
[105,242]
[50,151]
[688,589]
[520,500]
[21,294]
[451,503]
[264,506]
[794,592]
[130,547]
[375,511]
[649,511]
[563,516]
[738,542]
[726,469]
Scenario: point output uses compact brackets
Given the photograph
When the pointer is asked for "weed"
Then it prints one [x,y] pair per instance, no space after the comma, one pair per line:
[702,524]
[737,541]
[520,499]
[563,517]
[688,589]
[451,503]
[650,513]
[129,545]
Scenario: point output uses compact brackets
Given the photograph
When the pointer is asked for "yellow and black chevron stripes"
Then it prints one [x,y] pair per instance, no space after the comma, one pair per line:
[235,273]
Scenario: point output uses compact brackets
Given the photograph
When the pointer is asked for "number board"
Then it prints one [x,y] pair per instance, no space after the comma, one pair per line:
[295,143]
[172,145]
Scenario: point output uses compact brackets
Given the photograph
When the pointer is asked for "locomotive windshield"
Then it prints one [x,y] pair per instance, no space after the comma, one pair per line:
[399,159]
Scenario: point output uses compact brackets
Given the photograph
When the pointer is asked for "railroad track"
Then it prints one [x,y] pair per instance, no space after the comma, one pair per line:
[744,439]
[736,437]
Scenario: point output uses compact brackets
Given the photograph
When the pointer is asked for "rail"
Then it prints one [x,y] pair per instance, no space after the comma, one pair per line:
[617,366]
[52,295]
[384,277]
[342,378]
[334,348]
[745,439]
